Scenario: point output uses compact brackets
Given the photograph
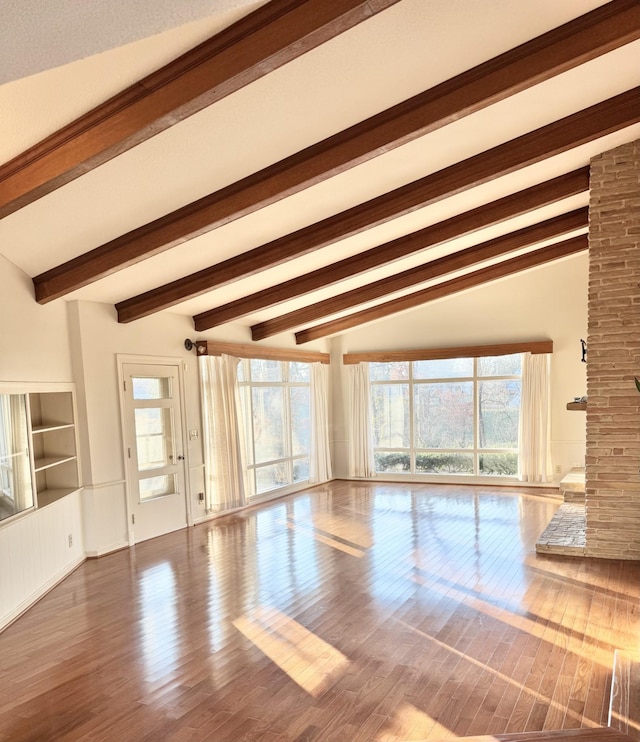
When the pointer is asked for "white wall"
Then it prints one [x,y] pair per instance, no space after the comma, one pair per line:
[97,340]
[35,339]
[34,548]
[549,302]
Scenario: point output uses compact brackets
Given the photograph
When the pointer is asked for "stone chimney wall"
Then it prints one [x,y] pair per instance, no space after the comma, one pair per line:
[613,407]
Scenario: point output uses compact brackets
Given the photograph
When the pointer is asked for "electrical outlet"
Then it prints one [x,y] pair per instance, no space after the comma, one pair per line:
[558,469]
[193,435]
[70,537]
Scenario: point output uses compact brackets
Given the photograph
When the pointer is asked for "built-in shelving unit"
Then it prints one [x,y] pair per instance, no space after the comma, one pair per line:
[41,534]
[54,445]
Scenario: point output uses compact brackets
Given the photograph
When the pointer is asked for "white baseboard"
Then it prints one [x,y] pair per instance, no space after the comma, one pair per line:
[103,551]
[40,593]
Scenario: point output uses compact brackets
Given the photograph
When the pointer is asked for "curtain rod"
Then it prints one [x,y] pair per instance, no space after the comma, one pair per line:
[435,354]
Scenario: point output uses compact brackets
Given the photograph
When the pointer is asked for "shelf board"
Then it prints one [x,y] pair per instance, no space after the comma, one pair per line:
[46,497]
[47,426]
[48,461]
[576,405]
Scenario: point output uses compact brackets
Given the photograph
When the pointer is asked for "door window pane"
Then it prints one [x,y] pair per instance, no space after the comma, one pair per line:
[153,437]
[268,422]
[444,415]
[390,415]
[150,487]
[151,387]
[499,408]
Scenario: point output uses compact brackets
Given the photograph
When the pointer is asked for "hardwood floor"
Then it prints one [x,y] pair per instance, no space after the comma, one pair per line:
[349,612]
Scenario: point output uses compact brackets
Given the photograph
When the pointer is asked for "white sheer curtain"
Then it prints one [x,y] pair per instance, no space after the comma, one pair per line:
[361,462]
[227,484]
[534,440]
[320,455]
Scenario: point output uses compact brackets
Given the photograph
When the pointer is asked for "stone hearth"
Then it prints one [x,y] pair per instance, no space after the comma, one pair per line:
[566,533]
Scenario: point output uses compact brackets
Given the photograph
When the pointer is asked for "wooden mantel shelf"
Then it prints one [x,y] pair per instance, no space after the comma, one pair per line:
[576,405]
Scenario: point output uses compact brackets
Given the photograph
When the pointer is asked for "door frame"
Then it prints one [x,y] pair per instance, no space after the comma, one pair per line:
[123,359]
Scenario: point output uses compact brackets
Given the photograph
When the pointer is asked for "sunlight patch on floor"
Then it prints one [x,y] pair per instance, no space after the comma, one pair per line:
[540,629]
[409,723]
[347,529]
[335,534]
[501,676]
[308,660]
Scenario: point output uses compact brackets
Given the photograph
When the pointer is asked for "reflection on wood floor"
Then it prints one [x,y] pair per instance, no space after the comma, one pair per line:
[348,612]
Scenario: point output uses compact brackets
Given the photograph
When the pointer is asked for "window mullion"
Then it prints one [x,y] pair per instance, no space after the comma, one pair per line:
[476,419]
[249,375]
[412,448]
[288,418]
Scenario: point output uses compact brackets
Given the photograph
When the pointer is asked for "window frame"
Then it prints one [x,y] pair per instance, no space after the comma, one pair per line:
[475,451]
[246,385]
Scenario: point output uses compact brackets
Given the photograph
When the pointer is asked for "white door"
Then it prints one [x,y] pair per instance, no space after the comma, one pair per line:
[153,449]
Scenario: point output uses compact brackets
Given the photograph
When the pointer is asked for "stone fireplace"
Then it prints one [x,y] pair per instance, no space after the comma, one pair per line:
[613,409]
[607,523]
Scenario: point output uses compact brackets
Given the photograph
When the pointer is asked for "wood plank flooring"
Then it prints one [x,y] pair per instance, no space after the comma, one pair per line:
[350,612]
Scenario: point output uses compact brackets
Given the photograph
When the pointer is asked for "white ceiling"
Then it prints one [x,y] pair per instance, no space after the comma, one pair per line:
[37,35]
[400,52]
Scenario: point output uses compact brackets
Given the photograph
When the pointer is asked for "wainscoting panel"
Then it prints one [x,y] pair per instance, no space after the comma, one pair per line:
[104,513]
[36,551]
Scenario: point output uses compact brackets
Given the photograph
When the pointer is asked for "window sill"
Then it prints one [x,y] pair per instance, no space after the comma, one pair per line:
[455,479]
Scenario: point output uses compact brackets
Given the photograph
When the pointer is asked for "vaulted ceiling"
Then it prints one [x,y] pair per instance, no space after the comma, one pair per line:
[313,165]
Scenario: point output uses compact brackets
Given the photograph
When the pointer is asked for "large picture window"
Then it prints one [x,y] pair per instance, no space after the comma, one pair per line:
[276,405]
[450,416]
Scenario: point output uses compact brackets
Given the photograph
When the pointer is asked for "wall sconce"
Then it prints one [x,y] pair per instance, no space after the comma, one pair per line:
[200,346]
[584,351]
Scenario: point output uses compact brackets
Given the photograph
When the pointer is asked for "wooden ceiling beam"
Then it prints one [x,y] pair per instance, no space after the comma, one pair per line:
[572,131]
[569,45]
[271,36]
[470,280]
[556,189]
[323,233]
[560,136]
[526,237]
